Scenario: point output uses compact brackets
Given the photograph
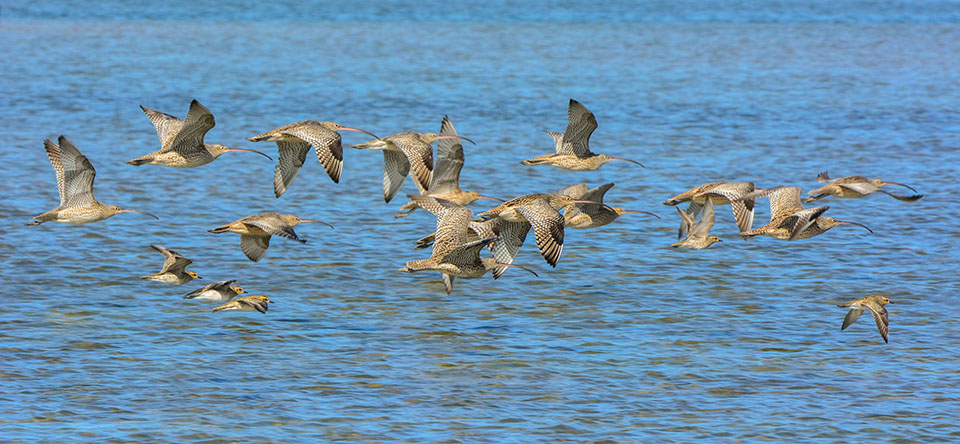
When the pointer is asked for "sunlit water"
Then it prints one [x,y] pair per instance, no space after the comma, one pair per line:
[627,340]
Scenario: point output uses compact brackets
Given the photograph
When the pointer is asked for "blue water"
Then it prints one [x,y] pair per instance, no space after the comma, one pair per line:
[627,340]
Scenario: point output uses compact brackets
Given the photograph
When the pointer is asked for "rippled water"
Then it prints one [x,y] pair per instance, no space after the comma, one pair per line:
[627,340]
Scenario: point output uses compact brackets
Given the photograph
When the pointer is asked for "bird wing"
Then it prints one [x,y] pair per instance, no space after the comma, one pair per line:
[446,173]
[558,144]
[547,226]
[860,187]
[190,138]
[466,253]
[596,194]
[420,157]
[256,304]
[687,221]
[448,282]
[254,247]
[327,145]
[511,237]
[75,173]
[805,218]
[395,169]
[742,209]
[580,125]
[784,200]
[702,228]
[173,262]
[292,156]
[275,226]
[452,223]
[575,191]
[823,177]
[167,126]
[881,318]
[851,316]
[693,210]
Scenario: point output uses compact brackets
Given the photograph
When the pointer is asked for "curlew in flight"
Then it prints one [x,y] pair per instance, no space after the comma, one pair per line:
[255,231]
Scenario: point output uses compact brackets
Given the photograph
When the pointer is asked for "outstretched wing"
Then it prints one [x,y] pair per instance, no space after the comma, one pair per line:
[805,219]
[327,145]
[190,138]
[167,126]
[881,318]
[395,169]
[75,173]
[580,125]
[292,156]
[254,247]
[547,226]
[446,173]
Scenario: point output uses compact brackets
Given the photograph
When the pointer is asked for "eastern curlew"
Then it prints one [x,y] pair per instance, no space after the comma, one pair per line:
[446,173]
[573,145]
[789,220]
[294,141]
[217,291]
[405,153]
[246,303]
[75,176]
[174,267]
[698,233]
[584,215]
[719,193]
[181,141]
[876,306]
[255,231]
[855,186]
[454,255]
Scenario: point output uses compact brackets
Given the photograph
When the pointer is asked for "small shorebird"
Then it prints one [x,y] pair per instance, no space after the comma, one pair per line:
[541,212]
[75,176]
[446,173]
[181,141]
[583,215]
[876,306]
[403,153]
[294,141]
[255,231]
[573,145]
[217,291]
[174,267]
[789,220]
[454,255]
[246,303]
[719,193]
[855,186]
[698,233]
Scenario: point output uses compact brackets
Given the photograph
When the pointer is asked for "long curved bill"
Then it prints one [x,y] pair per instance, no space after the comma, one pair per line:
[491,198]
[840,222]
[456,137]
[520,267]
[640,212]
[627,160]
[141,212]
[249,151]
[343,128]
[315,222]
[900,184]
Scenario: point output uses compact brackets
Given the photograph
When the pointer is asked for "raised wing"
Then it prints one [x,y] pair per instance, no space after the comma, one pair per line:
[580,125]
[173,262]
[75,173]
[190,138]
[804,219]
[446,173]
[702,228]
[167,126]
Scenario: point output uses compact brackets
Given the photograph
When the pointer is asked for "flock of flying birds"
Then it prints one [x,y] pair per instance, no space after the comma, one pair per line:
[460,236]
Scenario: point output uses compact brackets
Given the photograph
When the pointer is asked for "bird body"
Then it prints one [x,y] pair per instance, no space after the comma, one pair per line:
[294,141]
[404,153]
[445,182]
[588,215]
[174,268]
[789,220]
[454,255]
[573,145]
[698,233]
[181,141]
[719,193]
[255,231]
[75,175]
[258,303]
[217,291]
[876,306]
[851,187]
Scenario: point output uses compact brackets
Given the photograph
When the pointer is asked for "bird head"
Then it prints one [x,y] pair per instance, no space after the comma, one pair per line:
[237,289]
[193,274]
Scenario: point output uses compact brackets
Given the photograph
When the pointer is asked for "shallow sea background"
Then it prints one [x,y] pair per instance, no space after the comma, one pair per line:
[627,340]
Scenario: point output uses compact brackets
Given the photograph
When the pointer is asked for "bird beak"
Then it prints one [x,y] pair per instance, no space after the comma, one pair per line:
[343,128]
[315,222]
[640,212]
[491,198]
[900,184]
[520,267]
[627,160]
[840,222]
[590,202]
[405,269]
[456,137]
[249,151]
[141,212]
